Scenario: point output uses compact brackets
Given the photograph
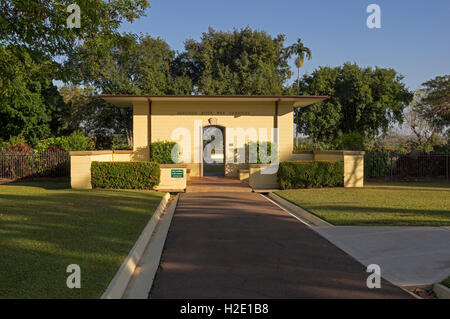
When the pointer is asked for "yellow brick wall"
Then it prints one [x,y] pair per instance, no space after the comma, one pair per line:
[285,131]
[169,183]
[261,181]
[354,170]
[167,116]
[80,165]
[140,131]
[80,169]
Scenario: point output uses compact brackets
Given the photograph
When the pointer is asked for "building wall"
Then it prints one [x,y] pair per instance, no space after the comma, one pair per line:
[286,131]
[140,131]
[168,116]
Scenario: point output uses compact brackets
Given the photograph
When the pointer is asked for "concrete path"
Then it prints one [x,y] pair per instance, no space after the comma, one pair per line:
[408,256]
[240,245]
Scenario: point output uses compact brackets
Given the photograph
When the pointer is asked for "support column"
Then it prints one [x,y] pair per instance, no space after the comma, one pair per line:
[141,131]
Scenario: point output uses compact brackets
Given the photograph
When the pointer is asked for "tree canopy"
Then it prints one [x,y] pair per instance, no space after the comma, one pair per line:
[243,62]
[34,38]
[28,100]
[129,64]
[434,105]
[364,100]
[41,24]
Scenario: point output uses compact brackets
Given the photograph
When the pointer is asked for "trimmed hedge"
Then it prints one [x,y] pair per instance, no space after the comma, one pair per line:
[125,175]
[310,174]
[162,152]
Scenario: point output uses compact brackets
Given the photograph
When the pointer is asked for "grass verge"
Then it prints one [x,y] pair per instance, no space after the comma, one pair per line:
[378,204]
[46,226]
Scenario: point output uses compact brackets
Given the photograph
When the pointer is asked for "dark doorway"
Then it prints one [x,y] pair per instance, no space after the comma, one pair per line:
[213,150]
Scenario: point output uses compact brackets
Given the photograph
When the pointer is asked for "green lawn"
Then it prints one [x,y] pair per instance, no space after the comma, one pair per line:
[378,204]
[45,226]
[446,282]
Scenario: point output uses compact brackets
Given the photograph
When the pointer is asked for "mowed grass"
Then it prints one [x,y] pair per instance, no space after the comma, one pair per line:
[44,227]
[378,204]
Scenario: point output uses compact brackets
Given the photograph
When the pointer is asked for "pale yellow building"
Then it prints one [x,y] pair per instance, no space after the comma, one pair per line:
[240,120]
[156,118]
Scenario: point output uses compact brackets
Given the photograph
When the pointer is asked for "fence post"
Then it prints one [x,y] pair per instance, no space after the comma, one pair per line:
[446,166]
[390,166]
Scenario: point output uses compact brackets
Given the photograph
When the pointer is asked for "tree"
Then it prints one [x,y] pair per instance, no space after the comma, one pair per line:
[129,64]
[26,101]
[434,103]
[85,111]
[416,122]
[33,37]
[41,25]
[362,100]
[301,52]
[240,62]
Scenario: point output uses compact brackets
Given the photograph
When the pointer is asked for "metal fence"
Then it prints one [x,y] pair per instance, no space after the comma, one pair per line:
[15,165]
[395,166]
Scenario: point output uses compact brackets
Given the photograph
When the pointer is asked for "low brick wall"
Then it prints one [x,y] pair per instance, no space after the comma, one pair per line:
[353,163]
[353,168]
[258,180]
[173,177]
[80,165]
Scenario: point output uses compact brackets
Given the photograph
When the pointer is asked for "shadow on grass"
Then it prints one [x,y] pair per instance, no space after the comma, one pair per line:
[363,215]
[42,232]
[45,184]
[403,185]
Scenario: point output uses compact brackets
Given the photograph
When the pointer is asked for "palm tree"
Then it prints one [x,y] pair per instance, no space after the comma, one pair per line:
[301,52]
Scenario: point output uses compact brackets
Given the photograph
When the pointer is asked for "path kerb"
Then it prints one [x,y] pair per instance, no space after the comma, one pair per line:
[119,283]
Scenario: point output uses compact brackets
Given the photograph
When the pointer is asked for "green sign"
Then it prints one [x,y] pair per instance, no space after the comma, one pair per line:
[176,173]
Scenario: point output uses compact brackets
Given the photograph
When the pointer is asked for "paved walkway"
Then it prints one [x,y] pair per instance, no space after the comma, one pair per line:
[216,184]
[408,256]
[239,245]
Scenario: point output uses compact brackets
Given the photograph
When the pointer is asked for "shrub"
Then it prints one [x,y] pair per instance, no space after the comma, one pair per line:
[162,152]
[313,146]
[13,141]
[377,163]
[310,174]
[267,158]
[125,175]
[76,141]
[20,148]
[119,142]
[352,141]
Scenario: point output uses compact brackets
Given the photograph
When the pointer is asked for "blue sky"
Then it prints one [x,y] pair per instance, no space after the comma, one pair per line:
[414,38]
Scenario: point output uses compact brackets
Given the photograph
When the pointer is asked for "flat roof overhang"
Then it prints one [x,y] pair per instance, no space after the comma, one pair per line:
[128,100]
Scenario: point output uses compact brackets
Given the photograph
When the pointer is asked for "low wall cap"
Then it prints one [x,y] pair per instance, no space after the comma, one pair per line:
[339,152]
[103,152]
[172,165]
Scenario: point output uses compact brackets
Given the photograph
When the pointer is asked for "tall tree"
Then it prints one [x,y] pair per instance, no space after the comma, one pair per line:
[129,64]
[41,25]
[415,121]
[33,38]
[362,100]
[434,105]
[26,90]
[301,52]
[240,62]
